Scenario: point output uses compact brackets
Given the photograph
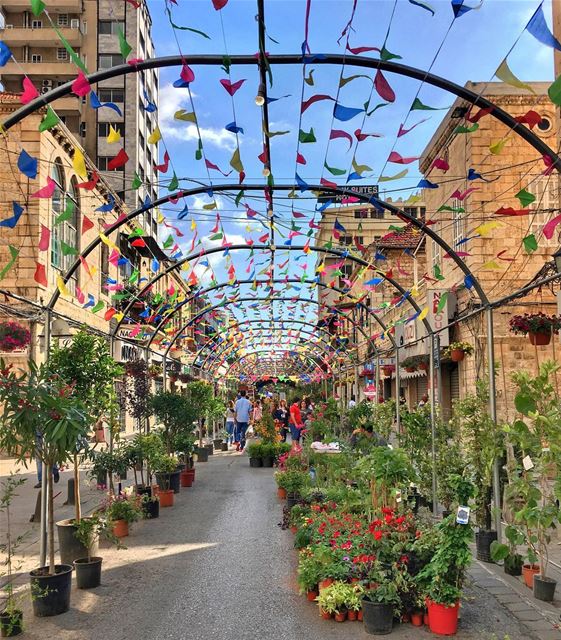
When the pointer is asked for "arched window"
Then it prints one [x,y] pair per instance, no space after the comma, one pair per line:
[57,204]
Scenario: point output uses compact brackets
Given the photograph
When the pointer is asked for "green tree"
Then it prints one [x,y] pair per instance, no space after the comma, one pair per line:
[176,413]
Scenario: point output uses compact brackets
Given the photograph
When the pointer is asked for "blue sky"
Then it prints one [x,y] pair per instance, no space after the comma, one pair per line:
[471,48]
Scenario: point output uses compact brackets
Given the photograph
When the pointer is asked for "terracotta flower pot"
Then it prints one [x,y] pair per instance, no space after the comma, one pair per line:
[352,615]
[166,497]
[120,528]
[457,355]
[341,616]
[540,339]
[423,366]
[186,479]
[312,595]
[281,493]
[325,615]
[417,618]
[325,583]
[528,572]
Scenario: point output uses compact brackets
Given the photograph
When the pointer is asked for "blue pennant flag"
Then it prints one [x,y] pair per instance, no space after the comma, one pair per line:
[155,265]
[233,128]
[468,282]
[338,226]
[13,220]
[324,206]
[303,186]
[345,113]
[150,106]
[105,208]
[96,104]
[5,54]
[374,282]
[426,184]
[379,256]
[183,214]
[90,302]
[537,26]
[27,165]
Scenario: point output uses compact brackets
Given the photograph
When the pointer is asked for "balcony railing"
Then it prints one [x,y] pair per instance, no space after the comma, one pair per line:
[21,36]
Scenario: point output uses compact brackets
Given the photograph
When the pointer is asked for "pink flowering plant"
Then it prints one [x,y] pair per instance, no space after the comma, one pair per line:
[535,323]
[13,337]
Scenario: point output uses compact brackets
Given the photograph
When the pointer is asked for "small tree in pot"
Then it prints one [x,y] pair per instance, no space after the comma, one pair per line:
[88,569]
[43,419]
[173,412]
[164,467]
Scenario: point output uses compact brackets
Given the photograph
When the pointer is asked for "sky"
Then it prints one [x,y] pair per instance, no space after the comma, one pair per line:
[469,47]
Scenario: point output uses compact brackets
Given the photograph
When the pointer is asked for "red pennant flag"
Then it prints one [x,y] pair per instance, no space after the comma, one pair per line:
[118,161]
[509,211]
[163,168]
[476,117]
[40,276]
[87,224]
[139,242]
[300,159]
[398,159]
[45,239]
[110,313]
[29,91]
[47,191]
[90,184]
[231,87]
[81,87]
[532,118]
[383,88]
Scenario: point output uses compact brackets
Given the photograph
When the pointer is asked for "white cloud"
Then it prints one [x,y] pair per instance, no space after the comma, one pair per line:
[171,100]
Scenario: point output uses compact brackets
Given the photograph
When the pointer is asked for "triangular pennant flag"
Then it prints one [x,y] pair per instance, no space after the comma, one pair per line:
[124,46]
[27,165]
[49,121]
[14,253]
[79,163]
[505,74]
[113,136]
[12,221]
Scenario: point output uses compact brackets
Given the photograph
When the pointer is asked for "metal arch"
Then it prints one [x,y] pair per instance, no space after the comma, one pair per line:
[221,304]
[296,59]
[202,292]
[307,356]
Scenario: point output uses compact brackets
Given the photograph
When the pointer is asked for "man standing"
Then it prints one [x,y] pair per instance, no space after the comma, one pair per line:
[243,411]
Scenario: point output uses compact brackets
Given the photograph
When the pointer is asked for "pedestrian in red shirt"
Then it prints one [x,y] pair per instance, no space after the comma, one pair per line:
[295,422]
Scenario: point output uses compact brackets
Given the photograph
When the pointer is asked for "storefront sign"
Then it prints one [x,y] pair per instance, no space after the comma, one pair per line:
[337,198]
[441,302]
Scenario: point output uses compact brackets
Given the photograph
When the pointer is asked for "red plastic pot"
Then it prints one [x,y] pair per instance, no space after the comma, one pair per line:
[120,528]
[341,617]
[528,572]
[186,479]
[352,615]
[281,493]
[540,339]
[325,615]
[417,618]
[457,355]
[166,497]
[426,619]
[311,595]
[443,620]
[325,583]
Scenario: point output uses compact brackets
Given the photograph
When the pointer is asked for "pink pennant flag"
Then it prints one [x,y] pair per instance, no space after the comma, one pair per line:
[398,159]
[80,295]
[338,133]
[47,191]
[187,74]
[328,183]
[45,238]
[114,257]
[549,227]
[29,91]
[211,165]
[441,164]
[81,87]
[402,130]
[135,331]
[251,213]
[163,168]
[231,87]
[296,214]
[219,4]
[358,50]
[300,159]
[462,196]
[362,136]
[85,265]
[383,88]
[313,99]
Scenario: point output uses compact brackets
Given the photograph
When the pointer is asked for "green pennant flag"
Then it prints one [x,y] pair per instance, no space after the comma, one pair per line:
[173,183]
[329,245]
[98,307]
[217,236]
[226,64]
[73,55]
[239,197]
[236,162]
[526,198]
[344,81]
[442,302]
[199,151]
[168,242]
[304,137]
[14,253]
[137,182]
[67,213]
[179,28]
[530,243]
[419,106]
[388,55]
[135,275]
[272,134]
[37,7]
[554,92]
[137,233]
[157,298]
[378,106]
[67,250]
[463,129]
[49,121]
[437,273]
[360,168]
[445,207]
[124,46]
[334,171]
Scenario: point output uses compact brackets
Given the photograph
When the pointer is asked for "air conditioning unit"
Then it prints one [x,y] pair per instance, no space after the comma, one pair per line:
[74,23]
[47,84]
[45,89]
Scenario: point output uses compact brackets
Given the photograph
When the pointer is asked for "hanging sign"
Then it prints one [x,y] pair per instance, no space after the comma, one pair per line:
[337,198]
[441,304]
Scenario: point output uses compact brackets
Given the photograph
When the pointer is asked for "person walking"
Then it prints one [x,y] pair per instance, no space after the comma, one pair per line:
[230,422]
[281,416]
[295,420]
[242,413]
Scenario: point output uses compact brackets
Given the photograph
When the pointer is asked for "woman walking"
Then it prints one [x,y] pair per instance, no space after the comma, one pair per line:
[230,422]
[281,416]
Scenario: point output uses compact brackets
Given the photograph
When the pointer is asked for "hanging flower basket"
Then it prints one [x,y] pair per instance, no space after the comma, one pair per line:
[388,369]
[13,337]
[414,363]
[538,326]
[457,351]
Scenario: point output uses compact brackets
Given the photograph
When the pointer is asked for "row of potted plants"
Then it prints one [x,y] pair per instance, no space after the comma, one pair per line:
[265,454]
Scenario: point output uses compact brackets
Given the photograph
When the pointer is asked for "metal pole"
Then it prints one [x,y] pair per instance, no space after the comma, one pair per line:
[165,372]
[433,425]
[438,373]
[397,393]
[493,414]
[44,484]
[147,360]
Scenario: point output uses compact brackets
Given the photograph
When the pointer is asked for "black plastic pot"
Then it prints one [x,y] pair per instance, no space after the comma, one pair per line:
[217,444]
[256,462]
[445,513]
[88,573]
[544,588]
[210,449]
[268,461]
[70,548]
[101,479]
[377,617]
[513,565]
[483,540]
[169,481]
[11,624]
[202,454]
[291,500]
[151,509]
[51,594]
[143,491]
[224,446]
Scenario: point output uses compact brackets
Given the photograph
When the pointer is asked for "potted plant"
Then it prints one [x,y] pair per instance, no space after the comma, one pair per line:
[88,569]
[354,602]
[292,481]
[386,472]
[254,451]
[11,618]
[410,364]
[457,351]
[165,468]
[334,600]
[379,605]
[121,512]
[268,453]
[538,326]
[388,370]
[534,488]
[309,574]
[150,506]
[13,337]
[508,553]
[175,413]
[42,418]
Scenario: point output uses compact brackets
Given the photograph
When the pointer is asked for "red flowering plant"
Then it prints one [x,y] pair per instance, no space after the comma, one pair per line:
[13,337]
[392,535]
[535,323]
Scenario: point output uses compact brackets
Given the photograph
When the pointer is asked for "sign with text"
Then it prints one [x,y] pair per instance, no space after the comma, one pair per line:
[439,303]
[338,198]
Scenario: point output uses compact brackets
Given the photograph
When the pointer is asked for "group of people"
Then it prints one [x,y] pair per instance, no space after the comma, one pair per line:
[242,413]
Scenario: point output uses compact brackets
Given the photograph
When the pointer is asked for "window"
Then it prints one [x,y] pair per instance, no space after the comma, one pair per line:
[103,128]
[62,19]
[110,27]
[459,225]
[36,24]
[112,95]
[108,60]
[361,213]
[346,240]
[376,214]
[103,161]
[64,236]
[544,124]
[36,57]
[412,211]
[142,45]
[141,140]
[61,54]
[103,267]
[346,271]
[546,190]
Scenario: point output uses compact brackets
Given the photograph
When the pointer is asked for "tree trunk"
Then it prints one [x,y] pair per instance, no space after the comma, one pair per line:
[51,517]
[77,489]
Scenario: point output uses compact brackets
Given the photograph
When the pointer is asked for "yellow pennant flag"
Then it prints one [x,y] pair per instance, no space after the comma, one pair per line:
[423,314]
[492,265]
[210,206]
[397,176]
[108,242]
[160,217]
[114,136]
[193,224]
[155,136]
[505,74]
[119,316]
[496,147]
[61,286]
[185,116]
[486,227]
[79,163]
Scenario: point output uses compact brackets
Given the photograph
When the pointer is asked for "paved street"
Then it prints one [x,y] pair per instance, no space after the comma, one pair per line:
[218,566]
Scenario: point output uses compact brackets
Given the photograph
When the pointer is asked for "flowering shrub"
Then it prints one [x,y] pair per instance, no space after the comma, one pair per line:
[535,323]
[13,337]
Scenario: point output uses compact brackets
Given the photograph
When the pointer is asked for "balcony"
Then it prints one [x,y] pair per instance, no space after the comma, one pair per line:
[54,6]
[50,68]
[19,37]
[69,105]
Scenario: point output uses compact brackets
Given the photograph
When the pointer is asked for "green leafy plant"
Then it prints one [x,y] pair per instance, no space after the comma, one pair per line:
[255,450]
[386,591]
[309,571]
[175,413]
[386,471]
[466,347]
[123,508]
[509,552]
[292,481]
[336,597]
